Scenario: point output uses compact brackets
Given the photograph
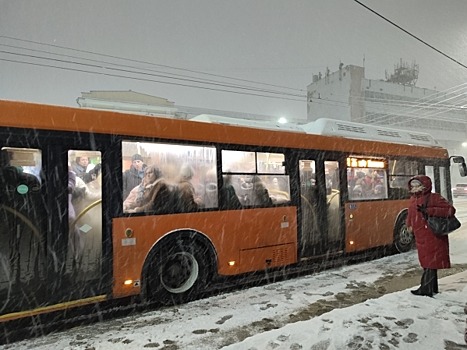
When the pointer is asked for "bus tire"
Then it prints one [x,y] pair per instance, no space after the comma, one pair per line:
[404,240]
[178,272]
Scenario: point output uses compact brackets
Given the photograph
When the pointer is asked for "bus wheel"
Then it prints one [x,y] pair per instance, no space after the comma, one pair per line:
[404,240]
[177,273]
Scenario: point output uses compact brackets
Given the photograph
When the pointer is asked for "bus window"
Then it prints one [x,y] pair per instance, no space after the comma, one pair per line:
[25,160]
[238,161]
[258,178]
[368,184]
[271,163]
[84,214]
[400,172]
[173,178]
[367,178]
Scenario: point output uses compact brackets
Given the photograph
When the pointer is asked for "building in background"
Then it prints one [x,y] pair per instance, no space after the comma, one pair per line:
[139,103]
[395,102]
[127,101]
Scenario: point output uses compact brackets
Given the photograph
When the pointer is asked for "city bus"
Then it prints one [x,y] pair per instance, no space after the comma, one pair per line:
[208,200]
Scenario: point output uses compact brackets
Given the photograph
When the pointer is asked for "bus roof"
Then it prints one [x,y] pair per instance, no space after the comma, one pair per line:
[40,116]
[325,126]
[330,127]
[260,124]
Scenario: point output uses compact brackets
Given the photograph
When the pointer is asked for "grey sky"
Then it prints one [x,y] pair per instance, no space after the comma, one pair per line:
[280,42]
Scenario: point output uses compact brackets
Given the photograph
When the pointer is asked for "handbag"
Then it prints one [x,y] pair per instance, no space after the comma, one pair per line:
[441,226]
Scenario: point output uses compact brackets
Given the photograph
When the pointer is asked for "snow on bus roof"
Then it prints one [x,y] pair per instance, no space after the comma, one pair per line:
[330,127]
[260,124]
[326,126]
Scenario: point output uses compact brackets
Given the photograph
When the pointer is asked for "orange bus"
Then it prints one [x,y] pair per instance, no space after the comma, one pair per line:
[98,205]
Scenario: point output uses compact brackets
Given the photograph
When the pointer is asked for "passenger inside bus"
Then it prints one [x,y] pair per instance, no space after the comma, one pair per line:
[85,219]
[189,201]
[81,165]
[362,185]
[229,198]
[368,184]
[133,176]
[257,193]
[142,198]
[278,188]
[208,189]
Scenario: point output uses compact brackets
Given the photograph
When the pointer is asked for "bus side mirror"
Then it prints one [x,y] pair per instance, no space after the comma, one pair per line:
[458,159]
[462,167]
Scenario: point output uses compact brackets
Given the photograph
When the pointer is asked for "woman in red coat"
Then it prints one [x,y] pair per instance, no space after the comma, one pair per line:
[433,251]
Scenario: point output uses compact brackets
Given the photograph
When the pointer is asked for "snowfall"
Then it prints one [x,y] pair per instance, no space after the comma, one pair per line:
[363,306]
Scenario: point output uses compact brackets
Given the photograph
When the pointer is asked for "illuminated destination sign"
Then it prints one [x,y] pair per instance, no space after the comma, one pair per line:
[353,162]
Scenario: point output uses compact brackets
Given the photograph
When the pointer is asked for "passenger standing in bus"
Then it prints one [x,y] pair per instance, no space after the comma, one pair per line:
[133,176]
[188,200]
[80,166]
[433,251]
[228,196]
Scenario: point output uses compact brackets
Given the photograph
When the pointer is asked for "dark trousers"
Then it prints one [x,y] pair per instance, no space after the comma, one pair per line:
[429,283]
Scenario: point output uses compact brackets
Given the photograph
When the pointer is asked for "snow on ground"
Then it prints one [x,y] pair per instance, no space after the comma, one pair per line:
[364,306]
[395,321]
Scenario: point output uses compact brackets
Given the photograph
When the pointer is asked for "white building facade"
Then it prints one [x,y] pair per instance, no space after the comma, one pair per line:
[347,95]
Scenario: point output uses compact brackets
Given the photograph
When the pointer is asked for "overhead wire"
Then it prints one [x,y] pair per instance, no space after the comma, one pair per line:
[148,80]
[160,65]
[412,35]
[422,107]
[148,74]
[105,62]
[435,108]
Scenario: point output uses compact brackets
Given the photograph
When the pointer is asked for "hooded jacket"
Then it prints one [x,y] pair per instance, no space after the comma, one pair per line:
[433,250]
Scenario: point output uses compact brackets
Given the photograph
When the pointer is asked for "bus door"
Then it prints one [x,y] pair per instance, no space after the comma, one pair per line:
[320,207]
[84,249]
[23,225]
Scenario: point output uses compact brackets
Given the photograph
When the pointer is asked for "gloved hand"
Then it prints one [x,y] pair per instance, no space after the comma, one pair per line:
[421,208]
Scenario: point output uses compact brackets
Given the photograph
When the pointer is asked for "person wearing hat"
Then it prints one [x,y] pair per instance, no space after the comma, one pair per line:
[133,176]
[433,250]
[188,200]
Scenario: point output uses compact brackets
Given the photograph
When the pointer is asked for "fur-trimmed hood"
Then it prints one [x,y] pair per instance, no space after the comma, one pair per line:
[425,181]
